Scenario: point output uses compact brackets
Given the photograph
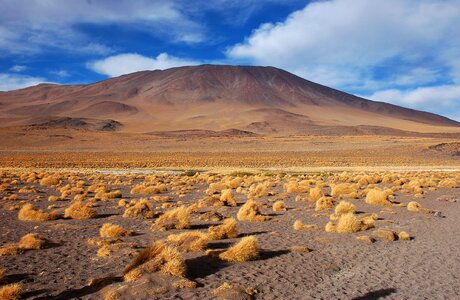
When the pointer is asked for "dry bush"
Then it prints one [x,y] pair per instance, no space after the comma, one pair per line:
[50,180]
[227,230]
[109,230]
[298,225]
[258,190]
[250,211]
[29,213]
[349,223]
[299,249]
[330,227]
[190,241]
[212,216]
[279,206]
[414,206]
[448,183]
[228,198]
[11,292]
[385,234]
[159,257]
[245,250]
[378,197]
[366,239]
[80,211]
[296,187]
[10,250]
[345,207]
[32,241]
[404,236]
[142,209]
[178,218]
[2,273]
[324,203]
[54,198]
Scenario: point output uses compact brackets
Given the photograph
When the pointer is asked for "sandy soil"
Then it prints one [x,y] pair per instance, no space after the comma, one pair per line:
[338,267]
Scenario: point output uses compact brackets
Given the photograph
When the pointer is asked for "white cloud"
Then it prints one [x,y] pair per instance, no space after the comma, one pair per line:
[120,64]
[10,82]
[18,68]
[29,26]
[61,73]
[444,99]
[339,42]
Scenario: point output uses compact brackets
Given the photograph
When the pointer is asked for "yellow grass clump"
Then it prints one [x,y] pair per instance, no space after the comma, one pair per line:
[10,250]
[279,206]
[448,183]
[298,225]
[2,273]
[178,218]
[159,257]
[324,203]
[315,194]
[385,234]
[344,189]
[250,211]
[50,181]
[29,213]
[227,230]
[330,227]
[414,206]
[296,187]
[11,292]
[365,239]
[189,241]
[80,211]
[349,223]
[32,241]
[109,230]
[228,198]
[245,250]
[404,236]
[378,197]
[142,209]
[345,207]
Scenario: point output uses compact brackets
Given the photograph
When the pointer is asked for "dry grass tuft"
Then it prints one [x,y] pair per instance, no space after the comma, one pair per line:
[10,250]
[245,250]
[250,211]
[279,206]
[378,197]
[142,209]
[299,249]
[324,203]
[345,207]
[385,234]
[404,236]
[330,227]
[228,198]
[190,241]
[80,211]
[178,218]
[29,213]
[11,292]
[315,194]
[298,225]
[109,230]
[228,291]
[2,273]
[227,230]
[349,223]
[365,239]
[414,206]
[159,257]
[32,241]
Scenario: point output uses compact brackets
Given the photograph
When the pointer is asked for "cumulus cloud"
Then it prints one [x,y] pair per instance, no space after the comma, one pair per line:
[352,37]
[443,99]
[10,82]
[120,64]
[29,26]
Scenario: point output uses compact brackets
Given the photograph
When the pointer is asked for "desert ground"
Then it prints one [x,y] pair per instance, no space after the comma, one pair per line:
[107,233]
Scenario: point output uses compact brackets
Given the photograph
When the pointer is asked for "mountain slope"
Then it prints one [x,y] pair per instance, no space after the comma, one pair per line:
[264,100]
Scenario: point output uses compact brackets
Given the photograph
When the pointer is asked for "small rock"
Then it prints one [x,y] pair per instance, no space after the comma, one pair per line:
[438,214]
[447,198]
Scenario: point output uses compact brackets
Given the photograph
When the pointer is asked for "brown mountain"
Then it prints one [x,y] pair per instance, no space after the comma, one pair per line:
[211,98]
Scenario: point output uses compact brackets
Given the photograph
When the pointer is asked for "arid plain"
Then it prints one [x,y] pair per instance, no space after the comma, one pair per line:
[144,187]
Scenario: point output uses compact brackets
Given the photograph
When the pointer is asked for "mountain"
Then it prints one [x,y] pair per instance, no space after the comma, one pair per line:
[212,98]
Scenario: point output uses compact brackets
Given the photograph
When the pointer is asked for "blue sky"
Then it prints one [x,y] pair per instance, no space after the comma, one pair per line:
[406,52]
